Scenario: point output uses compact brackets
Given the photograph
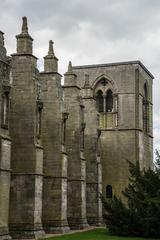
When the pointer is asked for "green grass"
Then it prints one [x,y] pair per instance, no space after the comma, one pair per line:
[96,234]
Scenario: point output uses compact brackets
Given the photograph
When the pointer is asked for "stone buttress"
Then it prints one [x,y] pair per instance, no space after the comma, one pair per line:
[5,141]
[92,151]
[55,157]
[75,147]
[27,152]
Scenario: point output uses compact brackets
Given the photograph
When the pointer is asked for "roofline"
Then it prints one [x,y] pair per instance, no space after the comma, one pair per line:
[116,64]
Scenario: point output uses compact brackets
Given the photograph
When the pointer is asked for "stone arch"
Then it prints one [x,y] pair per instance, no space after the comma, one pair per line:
[111,84]
[108,114]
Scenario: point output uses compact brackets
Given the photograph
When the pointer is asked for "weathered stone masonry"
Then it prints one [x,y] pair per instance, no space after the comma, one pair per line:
[55,155]
[62,146]
[27,151]
[5,140]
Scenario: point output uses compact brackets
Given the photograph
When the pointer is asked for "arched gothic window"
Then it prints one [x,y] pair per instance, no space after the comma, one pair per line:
[109,191]
[109,101]
[145,108]
[106,104]
[99,101]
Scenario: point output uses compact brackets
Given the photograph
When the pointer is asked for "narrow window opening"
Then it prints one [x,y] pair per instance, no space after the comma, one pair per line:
[39,119]
[109,191]
[99,101]
[5,110]
[109,101]
[65,117]
[82,127]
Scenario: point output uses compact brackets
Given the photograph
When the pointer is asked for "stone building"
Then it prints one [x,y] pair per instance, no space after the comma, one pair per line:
[62,146]
[5,140]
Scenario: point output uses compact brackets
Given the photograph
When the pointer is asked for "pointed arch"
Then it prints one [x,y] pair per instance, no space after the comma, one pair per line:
[106,99]
[111,84]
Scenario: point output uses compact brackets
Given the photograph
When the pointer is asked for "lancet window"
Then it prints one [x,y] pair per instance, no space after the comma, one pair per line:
[109,191]
[106,103]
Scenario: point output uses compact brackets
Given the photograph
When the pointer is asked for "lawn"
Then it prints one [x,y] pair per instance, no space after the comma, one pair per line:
[96,234]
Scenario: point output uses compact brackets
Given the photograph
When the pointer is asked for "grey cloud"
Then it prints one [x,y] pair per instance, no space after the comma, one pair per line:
[90,31]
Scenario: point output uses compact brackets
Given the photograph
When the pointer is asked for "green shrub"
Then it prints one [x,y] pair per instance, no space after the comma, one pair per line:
[141,216]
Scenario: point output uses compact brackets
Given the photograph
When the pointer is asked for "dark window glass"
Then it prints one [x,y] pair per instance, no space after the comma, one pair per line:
[109,101]
[109,191]
[99,101]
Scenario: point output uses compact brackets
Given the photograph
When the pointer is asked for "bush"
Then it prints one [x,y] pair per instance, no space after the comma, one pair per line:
[141,216]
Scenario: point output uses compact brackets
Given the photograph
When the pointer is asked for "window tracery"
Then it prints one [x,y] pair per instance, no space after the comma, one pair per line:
[106,103]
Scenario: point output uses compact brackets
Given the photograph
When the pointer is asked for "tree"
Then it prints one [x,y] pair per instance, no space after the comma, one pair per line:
[141,215]
[157,162]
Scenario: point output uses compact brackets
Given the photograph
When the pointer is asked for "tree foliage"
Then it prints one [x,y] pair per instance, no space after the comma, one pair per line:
[141,215]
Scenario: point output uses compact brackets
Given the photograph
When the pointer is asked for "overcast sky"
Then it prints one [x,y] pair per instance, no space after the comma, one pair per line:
[91,31]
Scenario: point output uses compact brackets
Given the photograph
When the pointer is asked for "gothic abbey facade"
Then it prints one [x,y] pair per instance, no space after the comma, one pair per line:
[61,146]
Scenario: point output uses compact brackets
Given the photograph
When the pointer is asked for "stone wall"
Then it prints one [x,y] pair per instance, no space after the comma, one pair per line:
[75,148]
[125,139]
[93,164]
[57,152]
[5,141]
[27,152]
[55,156]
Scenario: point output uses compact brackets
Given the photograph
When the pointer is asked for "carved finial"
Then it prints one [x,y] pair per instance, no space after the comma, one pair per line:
[50,50]
[24,26]
[69,67]
[86,84]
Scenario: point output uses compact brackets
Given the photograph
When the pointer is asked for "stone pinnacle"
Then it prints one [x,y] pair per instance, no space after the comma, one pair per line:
[70,67]
[50,50]
[24,26]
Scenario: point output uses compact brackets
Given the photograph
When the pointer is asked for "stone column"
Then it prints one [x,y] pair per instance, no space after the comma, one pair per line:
[55,156]
[76,159]
[92,151]
[27,152]
[5,141]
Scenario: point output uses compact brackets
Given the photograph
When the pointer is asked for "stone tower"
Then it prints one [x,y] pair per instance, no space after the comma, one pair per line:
[5,141]
[55,156]
[75,148]
[93,163]
[123,93]
[27,151]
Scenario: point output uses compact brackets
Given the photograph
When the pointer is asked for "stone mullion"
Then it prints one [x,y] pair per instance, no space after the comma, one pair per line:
[104,111]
